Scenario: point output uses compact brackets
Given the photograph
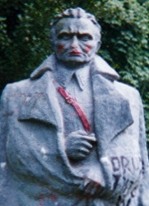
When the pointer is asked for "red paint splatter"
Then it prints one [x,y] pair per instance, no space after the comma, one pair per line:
[60,48]
[53,197]
[41,199]
[88,48]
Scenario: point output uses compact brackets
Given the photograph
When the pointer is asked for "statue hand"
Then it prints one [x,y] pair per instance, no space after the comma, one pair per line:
[79,144]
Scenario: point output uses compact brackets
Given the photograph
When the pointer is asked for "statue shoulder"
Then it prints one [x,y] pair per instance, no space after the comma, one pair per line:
[16,88]
[129,92]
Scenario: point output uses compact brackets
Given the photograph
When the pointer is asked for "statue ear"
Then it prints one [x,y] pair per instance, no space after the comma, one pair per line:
[98,46]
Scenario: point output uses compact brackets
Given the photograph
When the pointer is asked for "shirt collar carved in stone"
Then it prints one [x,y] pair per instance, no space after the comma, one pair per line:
[64,76]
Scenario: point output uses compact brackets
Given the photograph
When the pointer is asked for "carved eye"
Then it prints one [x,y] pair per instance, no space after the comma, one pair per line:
[85,37]
[64,36]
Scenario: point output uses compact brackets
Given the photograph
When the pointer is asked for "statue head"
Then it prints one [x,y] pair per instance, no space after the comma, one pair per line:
[75,35]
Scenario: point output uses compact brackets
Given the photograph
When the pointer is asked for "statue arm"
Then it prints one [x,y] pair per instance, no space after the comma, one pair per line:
[33,148]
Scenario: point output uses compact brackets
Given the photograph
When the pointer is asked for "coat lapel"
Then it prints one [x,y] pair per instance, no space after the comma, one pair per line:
[41,103]
[112,114]
[111,111]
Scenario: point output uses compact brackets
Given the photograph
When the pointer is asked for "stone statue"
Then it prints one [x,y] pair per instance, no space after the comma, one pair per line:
[71,134]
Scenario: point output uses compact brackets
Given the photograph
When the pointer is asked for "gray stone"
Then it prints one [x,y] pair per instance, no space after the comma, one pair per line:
[47,158]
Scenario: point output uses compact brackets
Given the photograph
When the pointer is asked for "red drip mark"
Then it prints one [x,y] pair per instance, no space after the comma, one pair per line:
[88,48]
[41,199]
[60,48]
[53,197]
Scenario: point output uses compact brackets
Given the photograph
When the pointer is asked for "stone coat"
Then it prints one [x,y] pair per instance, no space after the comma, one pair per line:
[35,169]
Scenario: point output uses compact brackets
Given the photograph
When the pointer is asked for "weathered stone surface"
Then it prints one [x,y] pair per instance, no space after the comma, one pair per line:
[47,158]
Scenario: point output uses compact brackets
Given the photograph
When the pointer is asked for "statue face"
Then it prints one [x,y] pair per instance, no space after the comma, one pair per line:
[76,40]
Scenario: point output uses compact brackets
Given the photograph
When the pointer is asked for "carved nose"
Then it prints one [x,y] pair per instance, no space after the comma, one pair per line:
[74,42]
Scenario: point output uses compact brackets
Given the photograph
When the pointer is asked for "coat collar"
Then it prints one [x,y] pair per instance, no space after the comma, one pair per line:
[41,103]
[98,62]
[65,76]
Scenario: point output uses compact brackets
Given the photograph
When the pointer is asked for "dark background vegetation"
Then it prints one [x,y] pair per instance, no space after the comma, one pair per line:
[24,38]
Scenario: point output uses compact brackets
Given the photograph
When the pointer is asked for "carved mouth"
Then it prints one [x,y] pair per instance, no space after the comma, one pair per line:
[75,53]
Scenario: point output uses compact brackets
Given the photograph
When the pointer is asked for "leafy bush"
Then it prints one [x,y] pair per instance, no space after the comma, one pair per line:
[125,33]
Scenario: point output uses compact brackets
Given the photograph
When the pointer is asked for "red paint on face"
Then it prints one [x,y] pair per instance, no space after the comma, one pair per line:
[88,48]
[60,48]
[75,52]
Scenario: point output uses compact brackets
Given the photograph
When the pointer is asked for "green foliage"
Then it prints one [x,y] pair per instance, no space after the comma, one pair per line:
[125,33]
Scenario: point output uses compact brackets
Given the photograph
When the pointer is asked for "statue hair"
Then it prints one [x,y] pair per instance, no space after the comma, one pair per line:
[74,13]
